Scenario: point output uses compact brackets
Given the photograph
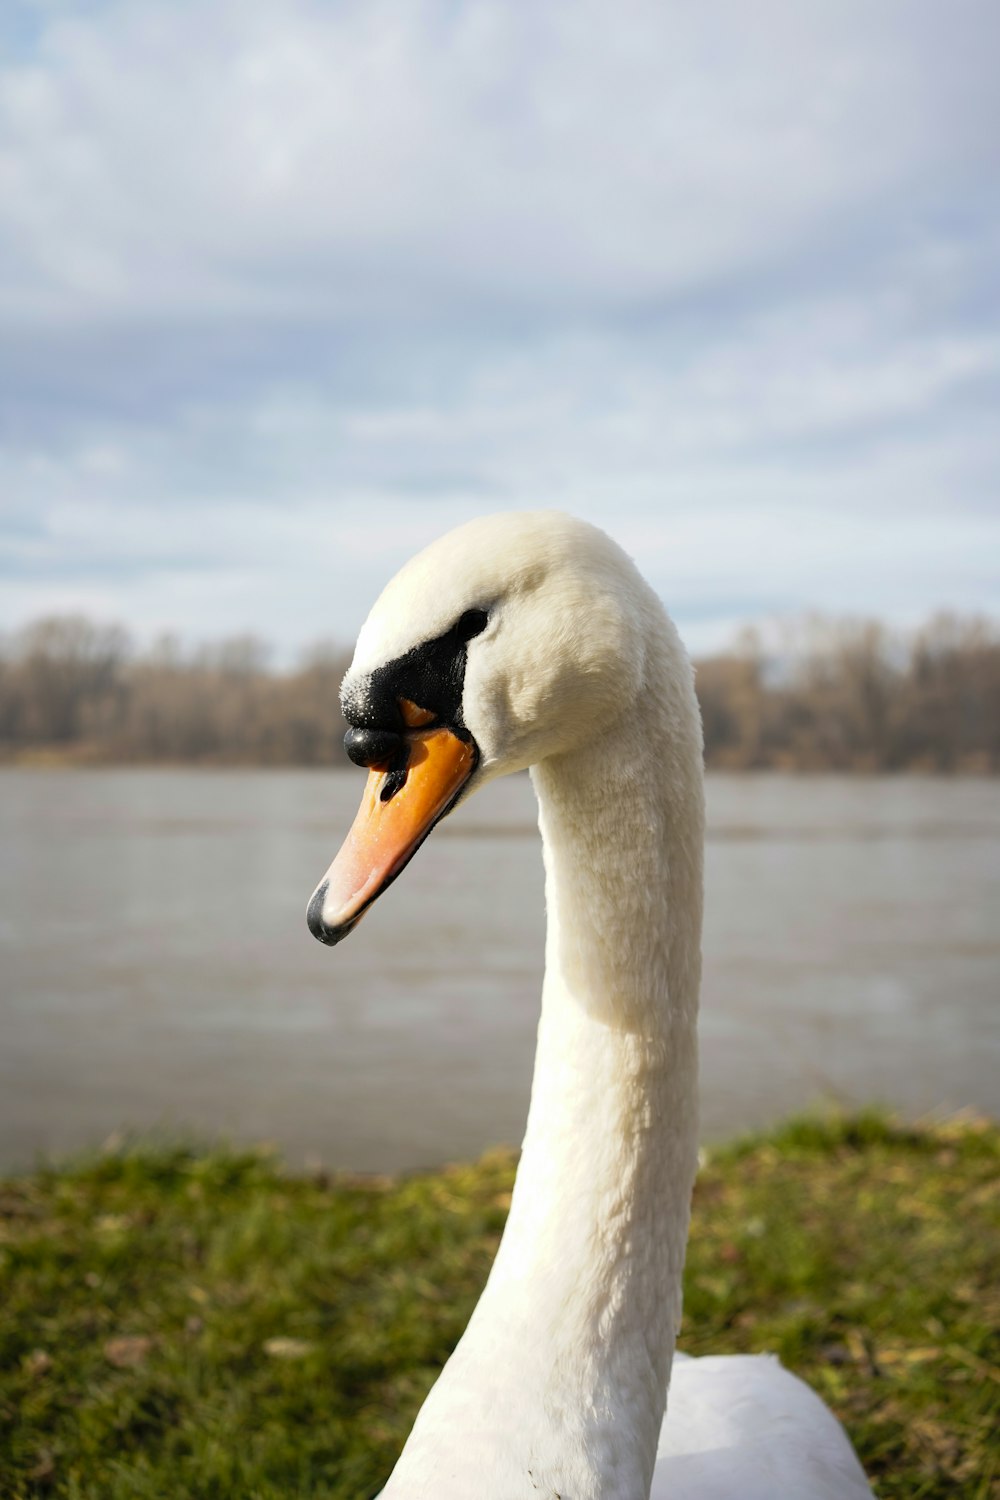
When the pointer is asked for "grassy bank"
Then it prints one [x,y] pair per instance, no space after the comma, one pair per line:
[177,1323]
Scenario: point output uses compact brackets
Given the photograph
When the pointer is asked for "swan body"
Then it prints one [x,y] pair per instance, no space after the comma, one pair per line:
[530,639]
[740,1425]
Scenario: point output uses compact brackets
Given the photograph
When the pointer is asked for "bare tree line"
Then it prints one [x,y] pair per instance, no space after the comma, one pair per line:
[854,696]
[822,695]
[72,689]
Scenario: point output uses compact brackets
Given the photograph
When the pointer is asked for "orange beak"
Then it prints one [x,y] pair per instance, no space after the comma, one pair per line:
[389,828]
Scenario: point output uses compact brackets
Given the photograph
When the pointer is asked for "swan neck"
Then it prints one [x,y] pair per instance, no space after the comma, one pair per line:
[559,1383]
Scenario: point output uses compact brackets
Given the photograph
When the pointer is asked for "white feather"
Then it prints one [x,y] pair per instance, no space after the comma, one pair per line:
[741,1425]
[557,1388]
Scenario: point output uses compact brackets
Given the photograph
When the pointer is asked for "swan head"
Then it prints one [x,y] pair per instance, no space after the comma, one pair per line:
[510,640]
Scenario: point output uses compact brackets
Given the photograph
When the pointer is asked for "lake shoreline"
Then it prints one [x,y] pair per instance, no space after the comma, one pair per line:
[89,758]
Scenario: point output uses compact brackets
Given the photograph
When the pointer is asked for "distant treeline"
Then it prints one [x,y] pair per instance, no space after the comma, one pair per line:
[855,696]
[73,689]
[825,695]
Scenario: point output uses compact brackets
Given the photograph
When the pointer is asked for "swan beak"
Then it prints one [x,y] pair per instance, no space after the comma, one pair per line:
[392,822]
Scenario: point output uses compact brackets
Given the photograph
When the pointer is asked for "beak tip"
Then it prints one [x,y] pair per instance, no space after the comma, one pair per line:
[320,929]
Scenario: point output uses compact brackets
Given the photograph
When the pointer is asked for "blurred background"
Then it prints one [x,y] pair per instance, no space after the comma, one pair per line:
[287,291]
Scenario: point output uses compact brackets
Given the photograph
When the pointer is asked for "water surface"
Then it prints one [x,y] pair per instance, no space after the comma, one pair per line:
[156,967]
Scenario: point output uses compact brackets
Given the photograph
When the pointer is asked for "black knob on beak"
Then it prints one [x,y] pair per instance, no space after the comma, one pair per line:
[374,747]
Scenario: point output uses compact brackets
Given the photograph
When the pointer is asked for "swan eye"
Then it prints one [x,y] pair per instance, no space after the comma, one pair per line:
[473,622]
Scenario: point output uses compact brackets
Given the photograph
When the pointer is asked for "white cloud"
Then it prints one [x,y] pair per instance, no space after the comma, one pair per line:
[710,472]
[286,290]
[257,157]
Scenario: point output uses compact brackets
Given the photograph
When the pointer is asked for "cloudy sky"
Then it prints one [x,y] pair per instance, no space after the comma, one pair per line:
[287,287]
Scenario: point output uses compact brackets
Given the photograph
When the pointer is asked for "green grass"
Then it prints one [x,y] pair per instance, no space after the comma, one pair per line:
[142,1292]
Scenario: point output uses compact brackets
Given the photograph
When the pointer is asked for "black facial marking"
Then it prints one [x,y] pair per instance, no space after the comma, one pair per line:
[431,675]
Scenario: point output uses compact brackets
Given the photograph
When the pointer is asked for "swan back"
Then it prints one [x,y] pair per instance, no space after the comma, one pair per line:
[742,1425]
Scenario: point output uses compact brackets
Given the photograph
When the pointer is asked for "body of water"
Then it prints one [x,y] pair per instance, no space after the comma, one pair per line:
[157,969]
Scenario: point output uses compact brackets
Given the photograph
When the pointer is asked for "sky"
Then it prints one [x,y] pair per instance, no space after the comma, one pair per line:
[288,289]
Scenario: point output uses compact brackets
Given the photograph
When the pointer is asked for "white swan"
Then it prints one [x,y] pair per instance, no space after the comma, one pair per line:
[530,639]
